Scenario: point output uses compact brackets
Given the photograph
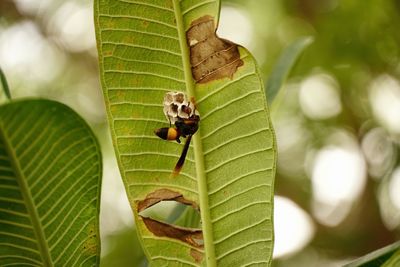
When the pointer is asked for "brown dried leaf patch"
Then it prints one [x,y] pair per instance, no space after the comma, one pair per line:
[163,195]
[211,57]
[193,237]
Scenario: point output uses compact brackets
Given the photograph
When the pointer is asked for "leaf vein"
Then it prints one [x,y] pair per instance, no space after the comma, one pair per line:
[178,260]
[160,170]
[237,179]
[13,212]
[136,103]
[76,250]
[236,158]
[17,224]
[21,257]
[140,32]
[146,4]
[145,73]
[138,119]
[238,118]
[152,49]
[163,185]
[243,246]
[139,18]
[72,239]
[55,160]
[32,130]
[239,209]
[256,262]
[19,237]
[239,137]
[13,200]
[220,107]
[153,153]
[48,154]
[238,194]
[173,241]
[193,7]
[224,238]
[61,210]
[138,89]
[20,247]
[215,91]
[70,210]
[145,62]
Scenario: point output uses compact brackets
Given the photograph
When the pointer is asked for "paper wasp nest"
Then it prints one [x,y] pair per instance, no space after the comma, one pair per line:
[177,105]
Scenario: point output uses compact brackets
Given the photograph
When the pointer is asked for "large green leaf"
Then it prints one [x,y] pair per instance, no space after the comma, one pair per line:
[50,175]
[230,166]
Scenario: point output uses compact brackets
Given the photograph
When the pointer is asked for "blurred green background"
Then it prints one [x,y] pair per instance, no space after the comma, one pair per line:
[337,118]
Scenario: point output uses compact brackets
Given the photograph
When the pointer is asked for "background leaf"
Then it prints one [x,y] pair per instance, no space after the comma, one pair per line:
[285,63]
[394,259]
[386,256]
[50,176]
[229,168]
[124,250]
[5,91]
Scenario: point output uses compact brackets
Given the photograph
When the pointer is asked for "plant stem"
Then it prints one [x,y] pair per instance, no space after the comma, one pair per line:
[198,150]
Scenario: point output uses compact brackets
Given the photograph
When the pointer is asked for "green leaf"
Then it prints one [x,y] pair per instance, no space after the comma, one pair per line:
[285,63]
[386,256]
[230,166]
[394,259]
[50,175]
[5,91]
[124,250]
[188,218]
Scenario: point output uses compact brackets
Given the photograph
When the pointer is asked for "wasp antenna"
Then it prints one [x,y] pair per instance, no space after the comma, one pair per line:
[179,164]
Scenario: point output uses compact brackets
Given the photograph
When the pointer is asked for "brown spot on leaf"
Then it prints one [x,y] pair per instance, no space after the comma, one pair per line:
[108,53]
[163,195]
[210,56]
[145,23]
[197,255]
[193,237]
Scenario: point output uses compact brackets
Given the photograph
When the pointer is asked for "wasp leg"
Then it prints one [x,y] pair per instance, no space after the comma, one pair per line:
[179,164]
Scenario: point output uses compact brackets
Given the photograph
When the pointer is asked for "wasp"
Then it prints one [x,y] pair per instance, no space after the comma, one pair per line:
[184,127]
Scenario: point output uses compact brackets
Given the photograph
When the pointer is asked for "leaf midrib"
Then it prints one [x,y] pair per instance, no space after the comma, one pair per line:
[28,200]
[197,145]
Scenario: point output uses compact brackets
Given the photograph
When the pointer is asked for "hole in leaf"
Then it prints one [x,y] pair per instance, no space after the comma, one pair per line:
[182,222]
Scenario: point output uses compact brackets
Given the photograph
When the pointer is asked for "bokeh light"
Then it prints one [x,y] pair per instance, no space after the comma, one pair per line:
[379,152]
[385,102]
[319,97]
[72,28]
[26,53]
[394,187]
[293,227]
[338,178]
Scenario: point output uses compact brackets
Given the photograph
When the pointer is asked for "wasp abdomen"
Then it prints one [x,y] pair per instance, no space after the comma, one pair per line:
[168,133]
